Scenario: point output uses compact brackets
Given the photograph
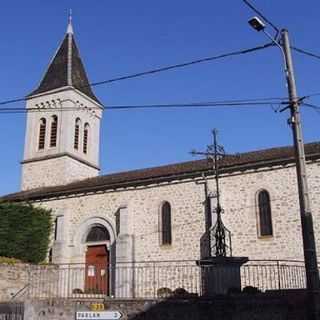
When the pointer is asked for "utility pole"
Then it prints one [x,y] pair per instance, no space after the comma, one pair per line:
[309,247]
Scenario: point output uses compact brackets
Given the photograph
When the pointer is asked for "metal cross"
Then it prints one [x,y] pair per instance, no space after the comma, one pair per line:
[219,233]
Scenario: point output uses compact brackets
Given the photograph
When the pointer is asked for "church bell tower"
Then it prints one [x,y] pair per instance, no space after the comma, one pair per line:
[63,123]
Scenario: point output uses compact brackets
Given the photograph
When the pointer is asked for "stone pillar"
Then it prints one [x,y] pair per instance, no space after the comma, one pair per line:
[60,249]
[219,274]
[123,268]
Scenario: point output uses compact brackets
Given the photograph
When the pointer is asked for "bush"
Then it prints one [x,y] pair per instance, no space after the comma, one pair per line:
[250,290]
[24,232]
[11,261]
[164,292]
[180,293]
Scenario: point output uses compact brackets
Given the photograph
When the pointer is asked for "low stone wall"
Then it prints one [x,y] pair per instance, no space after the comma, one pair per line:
[13,278]
[20,281]
[266,306]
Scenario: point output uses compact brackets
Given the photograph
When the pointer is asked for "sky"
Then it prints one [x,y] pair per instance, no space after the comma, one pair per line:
[117,38]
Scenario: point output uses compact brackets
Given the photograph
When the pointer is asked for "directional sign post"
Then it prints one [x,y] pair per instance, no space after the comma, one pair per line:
[98,315]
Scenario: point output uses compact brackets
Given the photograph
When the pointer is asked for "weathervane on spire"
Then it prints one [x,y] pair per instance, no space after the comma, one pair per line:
[70,29]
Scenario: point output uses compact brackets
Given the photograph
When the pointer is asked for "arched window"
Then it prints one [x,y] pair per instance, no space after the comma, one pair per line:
[76,133]
[42,134]
[98,233]
[85,138]
[166,232]
[264,211]
[53,134]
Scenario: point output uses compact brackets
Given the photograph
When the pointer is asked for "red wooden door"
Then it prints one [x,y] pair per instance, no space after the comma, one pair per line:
[96,279]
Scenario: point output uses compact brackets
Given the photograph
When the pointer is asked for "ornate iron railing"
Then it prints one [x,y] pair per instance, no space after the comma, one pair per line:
[11,310]
[152,279]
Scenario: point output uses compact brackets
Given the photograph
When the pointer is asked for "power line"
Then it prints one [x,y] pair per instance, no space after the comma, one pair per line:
[268,100]
[259,13]
[226,103]
[162,69]
[157,70]
[312,95]
[313,106]
[12,101]
[185,64]
[308,53]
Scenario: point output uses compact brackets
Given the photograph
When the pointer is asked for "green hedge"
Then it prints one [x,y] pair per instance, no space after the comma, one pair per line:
[24,232]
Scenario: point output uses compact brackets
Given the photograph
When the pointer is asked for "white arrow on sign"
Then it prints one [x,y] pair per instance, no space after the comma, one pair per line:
[98,315]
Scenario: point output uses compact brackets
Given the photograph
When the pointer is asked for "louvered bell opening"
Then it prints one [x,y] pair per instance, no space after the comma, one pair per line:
[53,136]
[42,134]
[85,138]
[76,134]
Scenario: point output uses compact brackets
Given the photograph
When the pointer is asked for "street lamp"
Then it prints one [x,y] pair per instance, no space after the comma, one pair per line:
[309,247]
[257,24]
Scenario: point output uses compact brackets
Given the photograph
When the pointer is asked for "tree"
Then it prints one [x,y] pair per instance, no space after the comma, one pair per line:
[24,231]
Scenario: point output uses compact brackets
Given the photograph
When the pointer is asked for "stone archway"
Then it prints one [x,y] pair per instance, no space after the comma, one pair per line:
[93,247]
[80,235]
[97,260]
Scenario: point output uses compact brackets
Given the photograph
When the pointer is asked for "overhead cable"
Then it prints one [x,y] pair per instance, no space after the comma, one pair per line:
[157,70]
[259,13]
[226,103]
[308,53]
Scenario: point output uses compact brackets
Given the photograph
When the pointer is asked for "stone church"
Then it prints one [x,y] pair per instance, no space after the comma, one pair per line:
[151,214]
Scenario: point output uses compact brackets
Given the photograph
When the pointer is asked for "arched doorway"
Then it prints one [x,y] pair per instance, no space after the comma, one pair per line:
[97,260]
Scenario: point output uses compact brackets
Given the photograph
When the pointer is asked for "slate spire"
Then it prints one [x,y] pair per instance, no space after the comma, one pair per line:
[66,68]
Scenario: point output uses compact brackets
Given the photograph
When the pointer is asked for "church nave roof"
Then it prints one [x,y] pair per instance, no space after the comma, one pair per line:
[235,164]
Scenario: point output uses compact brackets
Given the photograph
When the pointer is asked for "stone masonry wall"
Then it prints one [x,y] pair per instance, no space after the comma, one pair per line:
[260,307]
[12,279]
[21,280]
[54,171]
[240,216]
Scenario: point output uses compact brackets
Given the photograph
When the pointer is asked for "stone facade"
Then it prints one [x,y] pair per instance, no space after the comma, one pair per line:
[238,192]
[135,242]
[66,169]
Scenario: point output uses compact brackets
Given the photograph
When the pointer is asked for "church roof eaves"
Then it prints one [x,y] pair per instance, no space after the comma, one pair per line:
[62,89]
[167,173]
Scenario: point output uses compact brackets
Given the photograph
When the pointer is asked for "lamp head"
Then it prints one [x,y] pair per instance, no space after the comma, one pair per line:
[257,24]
